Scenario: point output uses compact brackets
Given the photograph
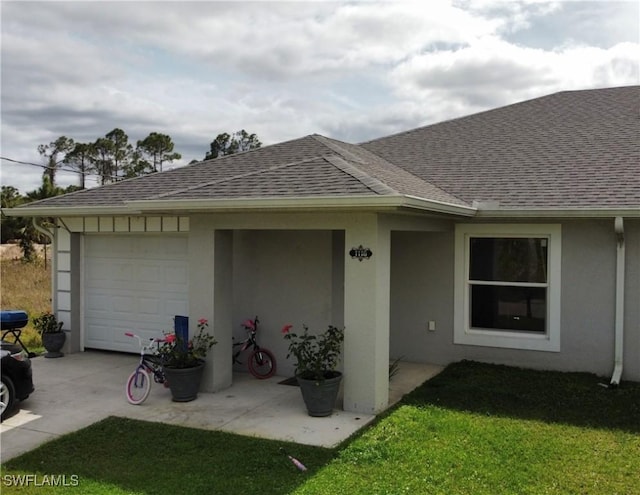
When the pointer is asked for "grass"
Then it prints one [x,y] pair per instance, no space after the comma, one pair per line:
[485,429]
[135,457]
[473,429]
[26,286]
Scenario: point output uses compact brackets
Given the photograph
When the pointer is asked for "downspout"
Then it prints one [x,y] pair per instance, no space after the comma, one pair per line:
[619,317]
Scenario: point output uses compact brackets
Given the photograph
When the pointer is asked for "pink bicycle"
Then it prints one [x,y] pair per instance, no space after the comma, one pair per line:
[139,381]
[261,362]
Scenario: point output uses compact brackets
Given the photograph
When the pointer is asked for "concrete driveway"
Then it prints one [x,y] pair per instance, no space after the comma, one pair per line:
[79,389]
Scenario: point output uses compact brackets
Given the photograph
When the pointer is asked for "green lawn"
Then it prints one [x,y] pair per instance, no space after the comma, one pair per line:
[474,429]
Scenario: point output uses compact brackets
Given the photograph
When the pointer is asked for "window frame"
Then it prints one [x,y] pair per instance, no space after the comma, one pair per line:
[504,338]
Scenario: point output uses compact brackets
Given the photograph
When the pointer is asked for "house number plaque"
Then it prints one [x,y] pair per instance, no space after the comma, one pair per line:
[361,253]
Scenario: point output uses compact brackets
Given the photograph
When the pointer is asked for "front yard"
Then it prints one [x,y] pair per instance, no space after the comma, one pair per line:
[473,429]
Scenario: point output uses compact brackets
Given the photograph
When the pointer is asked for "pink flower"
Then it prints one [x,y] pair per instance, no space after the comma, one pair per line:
[203,321]
[286,328]
[171,338]
[249,324]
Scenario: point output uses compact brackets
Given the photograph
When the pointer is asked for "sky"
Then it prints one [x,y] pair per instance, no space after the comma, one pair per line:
[352,71]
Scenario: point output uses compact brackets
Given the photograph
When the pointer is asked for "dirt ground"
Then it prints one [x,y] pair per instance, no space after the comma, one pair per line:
[13,251]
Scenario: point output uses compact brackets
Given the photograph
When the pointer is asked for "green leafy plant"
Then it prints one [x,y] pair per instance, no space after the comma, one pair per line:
[47,323]
[317,356]
[394,367]
[175,353]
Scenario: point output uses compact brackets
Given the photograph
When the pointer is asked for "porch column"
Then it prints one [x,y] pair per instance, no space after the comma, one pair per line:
[366,316]
[210,294]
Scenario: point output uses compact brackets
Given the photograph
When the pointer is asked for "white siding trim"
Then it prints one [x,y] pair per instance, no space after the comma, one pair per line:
[124,224]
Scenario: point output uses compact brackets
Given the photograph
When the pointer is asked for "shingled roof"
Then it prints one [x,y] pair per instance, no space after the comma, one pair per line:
[310,167]
[574,149]
[569,150]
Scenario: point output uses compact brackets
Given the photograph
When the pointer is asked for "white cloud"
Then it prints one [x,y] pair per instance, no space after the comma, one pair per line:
[493,72]
[350,70]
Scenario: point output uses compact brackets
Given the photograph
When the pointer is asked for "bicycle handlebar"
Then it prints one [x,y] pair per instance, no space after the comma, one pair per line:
[152,340]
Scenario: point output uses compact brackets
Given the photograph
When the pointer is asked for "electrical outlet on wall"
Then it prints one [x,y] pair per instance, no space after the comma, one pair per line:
[431,326]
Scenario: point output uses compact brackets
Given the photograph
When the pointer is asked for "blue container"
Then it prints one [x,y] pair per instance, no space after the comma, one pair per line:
[12,319]
[181,328]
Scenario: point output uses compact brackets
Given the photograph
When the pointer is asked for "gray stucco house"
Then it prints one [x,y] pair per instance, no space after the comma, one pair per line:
[510,236]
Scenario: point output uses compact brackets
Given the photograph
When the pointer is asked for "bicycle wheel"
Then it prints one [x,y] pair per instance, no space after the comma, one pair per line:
[262,364]
[138,386]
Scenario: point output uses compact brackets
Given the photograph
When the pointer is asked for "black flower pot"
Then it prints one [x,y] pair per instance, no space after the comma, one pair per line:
[53,343]
[320,395]
[184,383]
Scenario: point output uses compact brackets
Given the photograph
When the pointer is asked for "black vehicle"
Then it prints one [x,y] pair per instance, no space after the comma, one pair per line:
[17,382]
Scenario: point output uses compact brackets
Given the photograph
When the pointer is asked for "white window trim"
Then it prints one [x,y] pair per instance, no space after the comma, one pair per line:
[462,333]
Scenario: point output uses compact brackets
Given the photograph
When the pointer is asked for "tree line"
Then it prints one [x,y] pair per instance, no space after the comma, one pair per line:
[110,158]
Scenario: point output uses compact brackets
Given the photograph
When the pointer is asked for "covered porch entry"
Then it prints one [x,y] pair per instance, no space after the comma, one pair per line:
[301,269]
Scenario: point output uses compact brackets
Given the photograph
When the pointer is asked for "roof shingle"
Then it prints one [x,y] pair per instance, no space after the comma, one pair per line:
[577,149]
[569,149]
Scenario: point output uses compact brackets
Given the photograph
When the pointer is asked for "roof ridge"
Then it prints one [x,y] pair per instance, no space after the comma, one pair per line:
[479,113]
[388,164]
[231,178]
[232,156]
[348,157]
[332,144]
[376,185]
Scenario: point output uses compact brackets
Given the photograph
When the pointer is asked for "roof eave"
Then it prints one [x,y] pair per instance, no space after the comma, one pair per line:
[582,212]
[69,211]
[362,202]
[141,207]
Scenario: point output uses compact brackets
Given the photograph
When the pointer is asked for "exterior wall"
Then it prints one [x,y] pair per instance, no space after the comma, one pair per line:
[290,268]
[588,296]
[631,369]
[282,277]
[422,290]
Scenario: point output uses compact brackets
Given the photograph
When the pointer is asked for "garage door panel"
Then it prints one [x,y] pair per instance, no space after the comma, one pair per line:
[133,284]
[149,306]
[177,274]
[125,304]
[150,273]
[176,307]
[173,246]
[105,247]
[167,273]
[104,271]
[112,337]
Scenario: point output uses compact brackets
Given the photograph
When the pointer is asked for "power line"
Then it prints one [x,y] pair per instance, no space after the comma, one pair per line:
[47,167]
[23,163]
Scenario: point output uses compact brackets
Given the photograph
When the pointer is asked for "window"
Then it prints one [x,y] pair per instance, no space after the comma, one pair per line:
[508,286]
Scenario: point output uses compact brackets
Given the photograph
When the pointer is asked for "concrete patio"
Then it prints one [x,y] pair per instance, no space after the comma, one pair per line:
[82,388]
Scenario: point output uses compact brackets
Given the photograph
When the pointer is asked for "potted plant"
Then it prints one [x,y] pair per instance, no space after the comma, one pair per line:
[183,362]
[317,357]
[50,330]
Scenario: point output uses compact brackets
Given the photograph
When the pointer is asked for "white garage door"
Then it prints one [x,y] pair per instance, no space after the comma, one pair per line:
[135,283]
